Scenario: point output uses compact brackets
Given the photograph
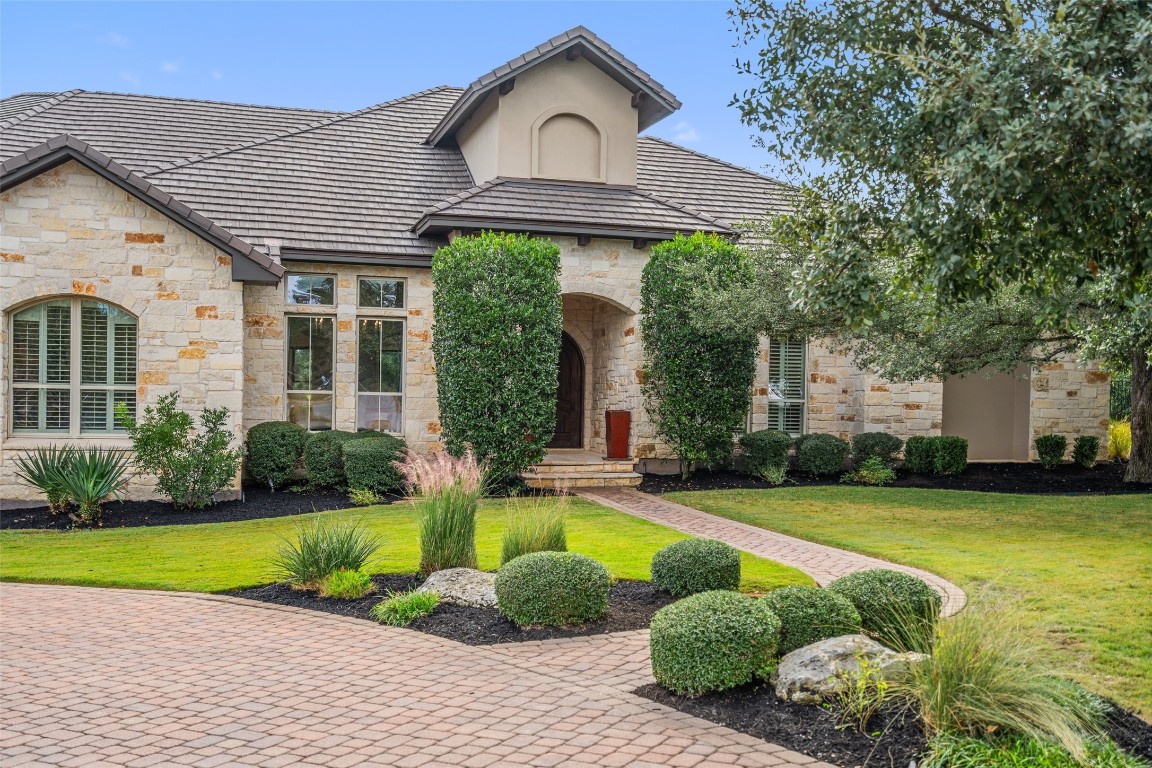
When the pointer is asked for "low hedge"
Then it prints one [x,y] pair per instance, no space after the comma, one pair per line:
[1050,449]
[274,449]
[880,445]
[821,455]
[920,455]
[552,588]
[324,457]
[370,463]
[696,565]
[940,455]
[713,641]
[810,614]
[898,608]
[765,452]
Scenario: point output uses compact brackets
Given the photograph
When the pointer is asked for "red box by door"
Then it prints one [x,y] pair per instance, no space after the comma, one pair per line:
[618,429]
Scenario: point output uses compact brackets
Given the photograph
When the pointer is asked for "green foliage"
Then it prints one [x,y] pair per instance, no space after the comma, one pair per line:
[897,608]
[324,457]
[713,641]
[820,455]
[860,693]
[400,609]
[45,469]
[362,497]
[1022,752]
[552,589]
[696,565]
[766,454]
[1119,440]
[1085,449]
[810,614]
[496,343]
[274,450]
[920,455]
[371,463]
[696,383]
[447,490]
[872,471]
[94,474]
[535,525]
[190,465]
[880,445]
[321,548]
[346,585]
[951,455]
[1050,449]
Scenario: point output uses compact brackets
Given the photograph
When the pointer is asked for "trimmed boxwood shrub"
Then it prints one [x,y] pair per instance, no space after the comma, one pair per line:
[696,565]
[899,609]
[1085,450]
[370,463]
[324,457]
[880,445]
[920,455]
[766,453]
[712,641]
[810,614]
[552,588]
[821,454]
[951,455]
[1050,449]
[274,449]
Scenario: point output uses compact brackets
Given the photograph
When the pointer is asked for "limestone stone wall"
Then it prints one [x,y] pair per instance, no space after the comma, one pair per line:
[70,232]
[1070,397]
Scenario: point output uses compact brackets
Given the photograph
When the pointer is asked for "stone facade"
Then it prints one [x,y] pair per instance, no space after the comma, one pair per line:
[1070,398]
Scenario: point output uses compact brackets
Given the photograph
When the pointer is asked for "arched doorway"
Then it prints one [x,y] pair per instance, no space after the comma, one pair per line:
[569,397]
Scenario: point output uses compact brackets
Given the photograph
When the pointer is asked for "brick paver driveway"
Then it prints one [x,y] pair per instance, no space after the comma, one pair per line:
[100,677]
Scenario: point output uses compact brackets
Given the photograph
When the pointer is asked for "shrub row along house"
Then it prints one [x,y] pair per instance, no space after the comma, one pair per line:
[276,262]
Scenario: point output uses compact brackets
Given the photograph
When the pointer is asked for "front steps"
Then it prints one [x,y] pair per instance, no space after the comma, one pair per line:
[567,468]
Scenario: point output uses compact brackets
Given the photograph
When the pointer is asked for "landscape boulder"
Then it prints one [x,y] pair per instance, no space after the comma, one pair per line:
[810,674]
[463,586]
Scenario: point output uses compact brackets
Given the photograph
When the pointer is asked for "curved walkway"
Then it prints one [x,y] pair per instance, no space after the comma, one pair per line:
[821,562]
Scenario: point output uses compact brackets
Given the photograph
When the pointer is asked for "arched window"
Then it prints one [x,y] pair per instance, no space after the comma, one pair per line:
[73,360]
[568,146]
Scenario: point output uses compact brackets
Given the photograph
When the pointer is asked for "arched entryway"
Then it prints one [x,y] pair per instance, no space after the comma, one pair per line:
[569,397]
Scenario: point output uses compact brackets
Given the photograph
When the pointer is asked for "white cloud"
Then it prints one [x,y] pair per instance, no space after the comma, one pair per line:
[169,67]
[116,40]
[129,76]
[686,132]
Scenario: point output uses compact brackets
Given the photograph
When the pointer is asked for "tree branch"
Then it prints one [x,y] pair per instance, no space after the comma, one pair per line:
[959,18]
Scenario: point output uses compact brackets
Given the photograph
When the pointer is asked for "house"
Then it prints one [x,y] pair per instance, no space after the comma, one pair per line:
[276,261]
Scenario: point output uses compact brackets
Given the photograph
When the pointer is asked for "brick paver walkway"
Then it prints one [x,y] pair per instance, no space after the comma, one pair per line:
[95,677]
[822,563]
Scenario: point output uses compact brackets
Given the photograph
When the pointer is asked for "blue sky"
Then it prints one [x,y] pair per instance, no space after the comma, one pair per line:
[349,55]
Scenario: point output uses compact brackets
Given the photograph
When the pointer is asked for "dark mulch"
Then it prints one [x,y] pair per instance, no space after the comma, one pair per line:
[257,503]
[1130,733]
[631,605]
[993,477]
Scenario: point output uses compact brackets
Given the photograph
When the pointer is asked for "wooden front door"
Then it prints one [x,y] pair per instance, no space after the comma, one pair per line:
[569,397]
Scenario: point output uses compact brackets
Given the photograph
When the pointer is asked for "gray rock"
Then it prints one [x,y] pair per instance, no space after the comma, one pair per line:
[463,586]
[808,675]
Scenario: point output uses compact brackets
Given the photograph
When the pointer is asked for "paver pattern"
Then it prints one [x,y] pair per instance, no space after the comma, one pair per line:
[822,563]
[96,677]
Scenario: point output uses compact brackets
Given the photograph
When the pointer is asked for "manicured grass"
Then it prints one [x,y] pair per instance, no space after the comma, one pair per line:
[1080,566]
[226,556]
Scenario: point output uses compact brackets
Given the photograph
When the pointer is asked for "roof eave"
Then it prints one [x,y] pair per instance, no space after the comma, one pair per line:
[434,224]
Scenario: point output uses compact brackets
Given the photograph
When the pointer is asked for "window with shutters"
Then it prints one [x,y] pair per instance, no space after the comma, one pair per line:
[72,361]
[786,390]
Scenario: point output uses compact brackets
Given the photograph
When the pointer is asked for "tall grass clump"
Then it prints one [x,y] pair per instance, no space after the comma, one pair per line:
[445,490]
[44,469]
[322,548]
[1119,440]
[535,525]
[92,476]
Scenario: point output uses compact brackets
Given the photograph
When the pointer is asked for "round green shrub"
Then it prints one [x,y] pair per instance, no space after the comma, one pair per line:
[810,614]
[552,588]
[1050,449]
[712,641]
[274,449]
[899,609]
[370,464]
[696,565]
[324,457]
[1085,450]
[951,455]
[822,454]
[920,455]
[880,445]
[765,452]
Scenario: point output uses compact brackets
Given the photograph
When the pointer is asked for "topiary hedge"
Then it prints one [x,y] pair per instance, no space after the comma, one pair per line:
[696,565]
[821,454]
[940,455]
[920,455]
[274,449]
[552,588]
[1085,450]
[881,445]
[810,614]
[496,343]
[370,463]
[1050,449]
[898,608]
[766,453]
[712,641]
[324,457]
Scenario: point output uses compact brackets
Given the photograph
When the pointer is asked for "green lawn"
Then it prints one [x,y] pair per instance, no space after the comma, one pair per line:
[1081,567]
[226,556]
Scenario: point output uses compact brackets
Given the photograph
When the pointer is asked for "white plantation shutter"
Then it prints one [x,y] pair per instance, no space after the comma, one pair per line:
[786,391]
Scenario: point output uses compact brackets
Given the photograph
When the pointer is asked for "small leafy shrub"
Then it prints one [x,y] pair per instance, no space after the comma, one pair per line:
[696,565]
[1119,440]
[363,497]
[94,474]
[920,455]
[274,450]
[1085,449]
[400,609]
[1020,751]
[324,457]
[810,614]
[536,525]
[1050,449]
[323,547]
[899,609]
[370,463]
[766,454]
[822,454]
[859,693]
[951,455]
[875,445]
[873,471]
[713,641]
[190,465]
[346,585]
[446,490]
[552,588]
[45,469]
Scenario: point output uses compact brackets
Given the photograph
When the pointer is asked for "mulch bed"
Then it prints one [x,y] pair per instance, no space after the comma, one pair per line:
[631,605]
[993,477]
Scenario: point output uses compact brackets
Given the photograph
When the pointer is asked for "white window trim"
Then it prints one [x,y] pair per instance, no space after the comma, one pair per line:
[802,399]
[287,291]
[288,366]
[403,365]
[382,278]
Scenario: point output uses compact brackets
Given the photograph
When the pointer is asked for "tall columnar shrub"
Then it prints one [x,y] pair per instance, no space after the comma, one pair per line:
[274,449]
[496,343]
[697,383]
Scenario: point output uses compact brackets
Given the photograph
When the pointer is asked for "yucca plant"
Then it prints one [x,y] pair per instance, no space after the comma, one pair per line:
[45,468]
[94,475]
[535,525]
[445,490]
[323,547]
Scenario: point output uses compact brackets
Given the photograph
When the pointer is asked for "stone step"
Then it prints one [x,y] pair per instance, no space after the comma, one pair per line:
[575,469]
[582,480]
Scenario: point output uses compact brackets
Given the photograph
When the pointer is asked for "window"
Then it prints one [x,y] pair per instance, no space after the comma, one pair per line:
[381,294]
[310,368]
[379,374]
[786,385]
[73,360]
[314,290]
